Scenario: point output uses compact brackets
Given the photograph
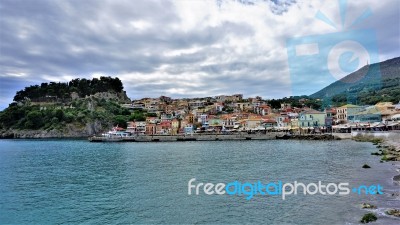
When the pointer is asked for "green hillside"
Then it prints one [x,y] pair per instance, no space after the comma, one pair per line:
[369,85]
[77,108]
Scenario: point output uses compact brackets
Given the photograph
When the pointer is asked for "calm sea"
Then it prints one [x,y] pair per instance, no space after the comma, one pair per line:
[74,181]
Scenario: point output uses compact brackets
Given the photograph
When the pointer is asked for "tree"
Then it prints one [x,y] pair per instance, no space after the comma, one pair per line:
[34,120]
[137,116]
[275,104]
[151,114]
[59,114]
[120,120]
[63,90]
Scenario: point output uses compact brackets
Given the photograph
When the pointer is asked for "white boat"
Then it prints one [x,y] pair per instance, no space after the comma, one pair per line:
[116,132]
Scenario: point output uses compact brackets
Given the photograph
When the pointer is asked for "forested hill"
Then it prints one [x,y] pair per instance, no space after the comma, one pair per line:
[77,108]
[375,88]
[63,91]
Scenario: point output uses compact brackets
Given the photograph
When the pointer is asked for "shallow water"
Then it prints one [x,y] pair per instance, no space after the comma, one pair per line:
[70,181]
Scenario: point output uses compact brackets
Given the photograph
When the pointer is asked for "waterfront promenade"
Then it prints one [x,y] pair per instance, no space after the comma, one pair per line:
[219,137]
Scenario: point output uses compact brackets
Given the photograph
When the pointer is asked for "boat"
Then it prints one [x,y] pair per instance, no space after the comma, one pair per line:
[116,134]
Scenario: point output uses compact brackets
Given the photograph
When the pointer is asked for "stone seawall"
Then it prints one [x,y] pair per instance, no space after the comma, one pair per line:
[215,137]
[342,135]
[387,135]
[194,137]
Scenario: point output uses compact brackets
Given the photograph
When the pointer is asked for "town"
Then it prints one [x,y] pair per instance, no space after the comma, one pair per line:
[225,114]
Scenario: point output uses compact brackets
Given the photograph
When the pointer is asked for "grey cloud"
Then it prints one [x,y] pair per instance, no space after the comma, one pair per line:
[56,34]
[78,38]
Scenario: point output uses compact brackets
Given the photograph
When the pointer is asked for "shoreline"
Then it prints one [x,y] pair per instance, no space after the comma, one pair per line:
[388,147]
[389,151]
[214,137]
[40,134]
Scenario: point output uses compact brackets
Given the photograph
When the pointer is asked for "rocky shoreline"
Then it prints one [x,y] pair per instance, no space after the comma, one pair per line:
[315,137]
[388,150]
[69,131]
[37,134]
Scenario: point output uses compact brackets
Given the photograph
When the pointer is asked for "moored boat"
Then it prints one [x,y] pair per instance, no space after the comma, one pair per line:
[116,134]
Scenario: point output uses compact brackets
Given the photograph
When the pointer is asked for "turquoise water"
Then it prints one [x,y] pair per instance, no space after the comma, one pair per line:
[70,181]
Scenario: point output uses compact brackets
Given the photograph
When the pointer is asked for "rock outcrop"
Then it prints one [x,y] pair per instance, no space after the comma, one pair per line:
[69,131]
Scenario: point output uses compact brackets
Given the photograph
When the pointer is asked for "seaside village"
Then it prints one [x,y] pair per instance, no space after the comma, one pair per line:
[228,114]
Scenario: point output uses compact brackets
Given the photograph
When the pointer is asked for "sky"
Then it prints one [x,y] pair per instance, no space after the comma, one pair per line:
[183,48]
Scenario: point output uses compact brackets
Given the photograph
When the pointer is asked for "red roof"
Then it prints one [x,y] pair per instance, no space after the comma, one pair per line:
[165,123]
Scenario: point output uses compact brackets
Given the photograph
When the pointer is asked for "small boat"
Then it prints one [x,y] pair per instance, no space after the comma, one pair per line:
[284,137]
[117,134]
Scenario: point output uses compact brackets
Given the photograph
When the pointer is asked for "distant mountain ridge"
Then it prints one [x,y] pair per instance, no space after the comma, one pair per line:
[369,89]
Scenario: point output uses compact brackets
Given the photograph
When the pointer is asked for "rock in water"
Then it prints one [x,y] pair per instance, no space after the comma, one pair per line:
[369,217]
[368,206]
[396,178]
[393,212]
[365,166]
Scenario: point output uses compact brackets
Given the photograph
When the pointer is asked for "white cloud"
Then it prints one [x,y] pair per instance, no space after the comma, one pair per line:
[181,48]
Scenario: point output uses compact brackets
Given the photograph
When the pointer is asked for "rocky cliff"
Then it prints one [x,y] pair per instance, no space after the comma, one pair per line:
[69,131]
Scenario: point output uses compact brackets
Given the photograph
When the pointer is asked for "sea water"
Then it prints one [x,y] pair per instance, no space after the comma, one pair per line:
[75,181]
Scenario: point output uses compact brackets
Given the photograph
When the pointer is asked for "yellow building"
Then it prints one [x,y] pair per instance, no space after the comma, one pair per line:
[253,122]
[344,112]
[386,109]
[190,118]
[175,126]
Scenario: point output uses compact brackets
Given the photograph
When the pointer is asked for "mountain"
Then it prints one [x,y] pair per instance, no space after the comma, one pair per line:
[368,85]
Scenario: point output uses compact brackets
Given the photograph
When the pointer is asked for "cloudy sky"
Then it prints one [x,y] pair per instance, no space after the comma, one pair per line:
[180,48]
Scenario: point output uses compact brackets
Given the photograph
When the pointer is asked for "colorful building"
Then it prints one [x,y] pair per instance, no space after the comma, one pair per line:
[346,112]
[311,118]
